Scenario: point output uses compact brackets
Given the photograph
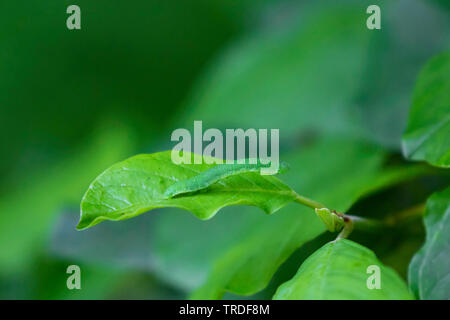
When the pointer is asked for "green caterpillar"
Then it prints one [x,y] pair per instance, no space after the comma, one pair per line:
[208,177]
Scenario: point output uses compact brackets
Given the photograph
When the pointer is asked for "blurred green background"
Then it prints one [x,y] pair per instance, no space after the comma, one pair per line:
[74,102]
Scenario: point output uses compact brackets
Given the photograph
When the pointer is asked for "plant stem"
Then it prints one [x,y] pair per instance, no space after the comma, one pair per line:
[308,202]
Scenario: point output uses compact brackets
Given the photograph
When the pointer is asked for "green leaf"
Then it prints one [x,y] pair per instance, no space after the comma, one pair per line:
[206,178]
[339,270]
[32,207]
[137,185]
[429,271]
[253,256]
[427,136]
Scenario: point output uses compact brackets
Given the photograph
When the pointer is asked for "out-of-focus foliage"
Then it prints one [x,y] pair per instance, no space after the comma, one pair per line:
[184,255]
[338,271]
[320,71]
[31,209]
[272,77]
[156,65]
[428,138]
[138,185]
[134,60]
[129,63]
[428,134]
[429,269]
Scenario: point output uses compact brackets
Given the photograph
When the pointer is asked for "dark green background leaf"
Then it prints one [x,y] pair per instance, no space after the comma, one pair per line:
[276,76]
[252,258]
[427,136]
